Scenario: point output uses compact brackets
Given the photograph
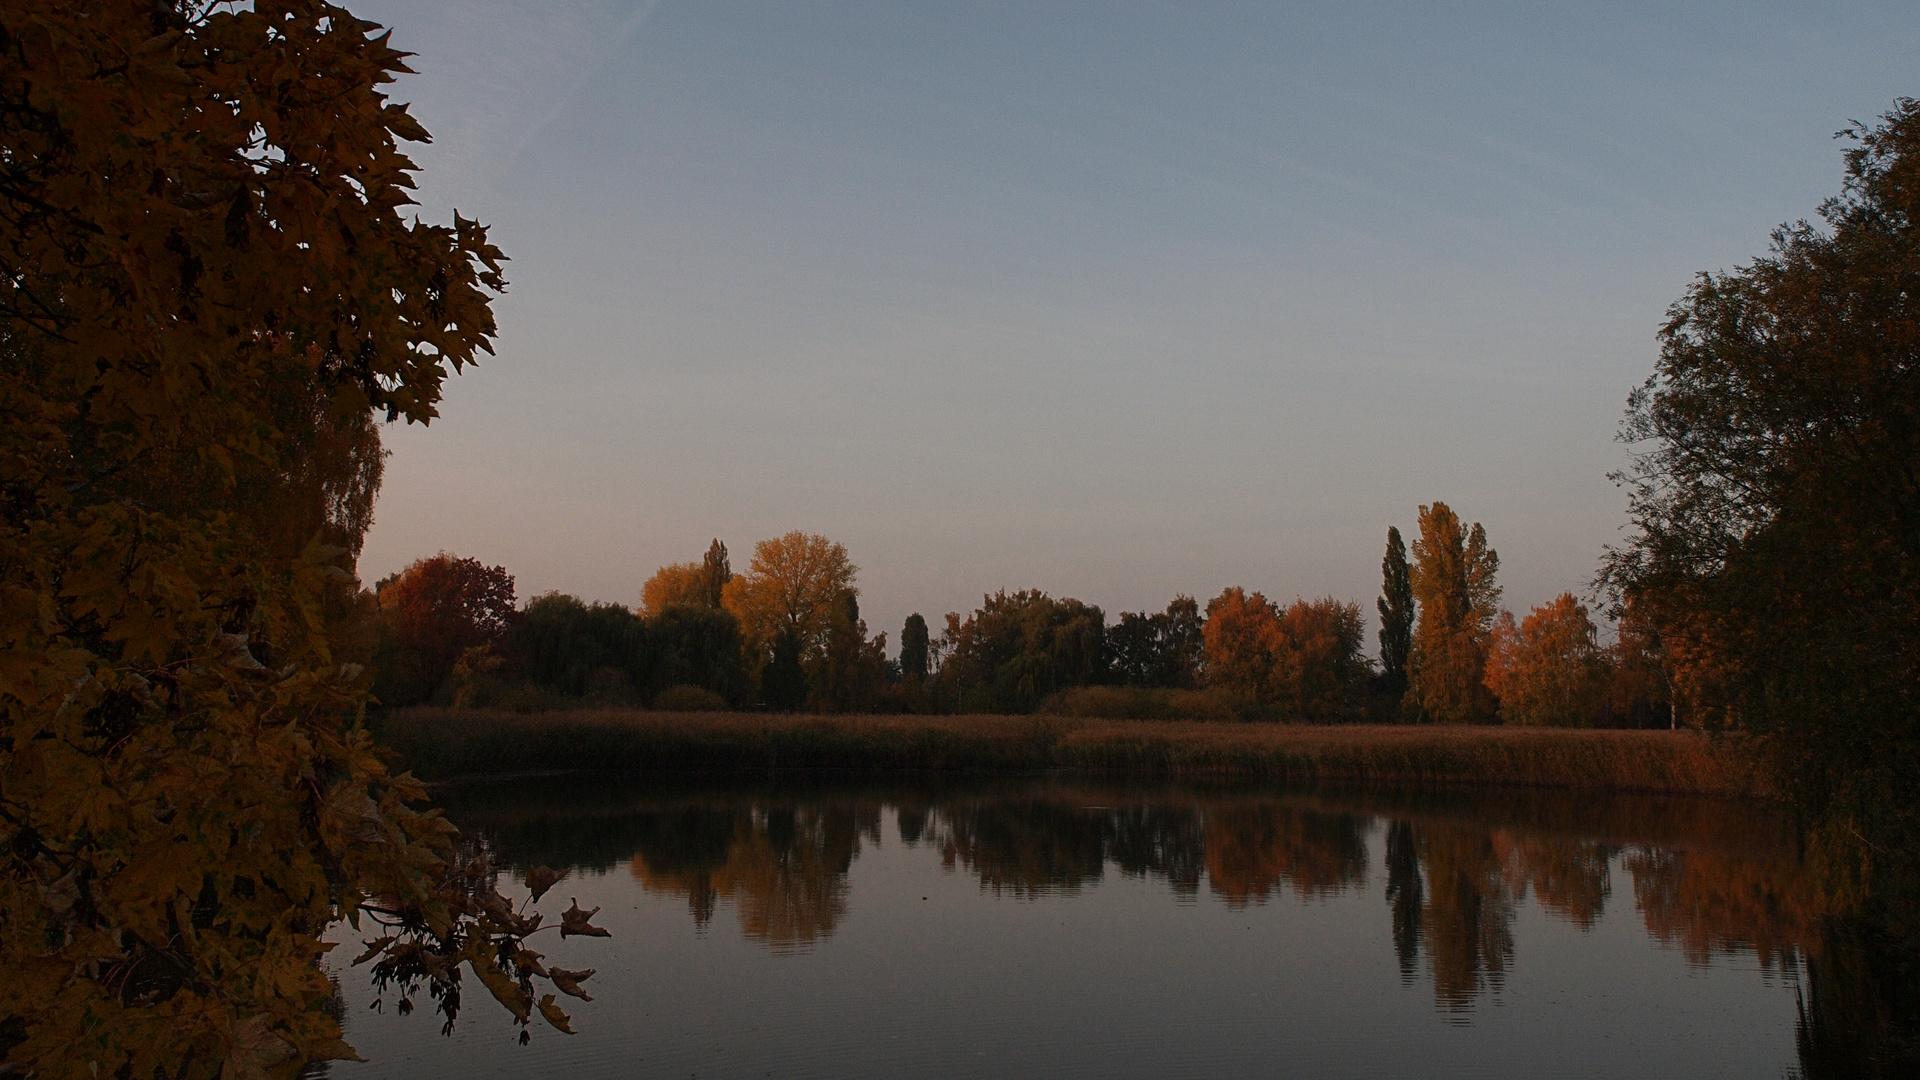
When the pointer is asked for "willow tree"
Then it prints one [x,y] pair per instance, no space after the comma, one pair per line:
[210,294]
[1776,498]
[1453,580]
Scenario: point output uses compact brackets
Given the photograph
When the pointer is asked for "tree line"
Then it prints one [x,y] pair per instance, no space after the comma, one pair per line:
[786,634]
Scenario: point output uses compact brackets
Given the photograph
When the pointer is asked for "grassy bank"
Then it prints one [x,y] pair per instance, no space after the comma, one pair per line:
[440,744]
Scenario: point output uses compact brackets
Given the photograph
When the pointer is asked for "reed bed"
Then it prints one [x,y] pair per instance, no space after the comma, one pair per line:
[441,744]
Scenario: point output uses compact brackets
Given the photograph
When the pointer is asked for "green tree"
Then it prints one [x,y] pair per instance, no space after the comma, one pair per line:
[210,291]
[1776,503]
[783,680]
[1163,649]
[1396,614]
[563,643]
[848,675]
[1017,648]
[913,648]
[697,646]
[1453,580]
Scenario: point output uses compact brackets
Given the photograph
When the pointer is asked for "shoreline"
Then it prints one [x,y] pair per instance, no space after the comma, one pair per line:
[445,745]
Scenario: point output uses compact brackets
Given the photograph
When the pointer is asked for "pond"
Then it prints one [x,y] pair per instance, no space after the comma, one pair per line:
[1067,927]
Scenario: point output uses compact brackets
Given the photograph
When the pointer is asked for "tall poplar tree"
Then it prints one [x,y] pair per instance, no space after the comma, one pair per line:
[1396,613]
[1453,581]
[715,572]
[913,648]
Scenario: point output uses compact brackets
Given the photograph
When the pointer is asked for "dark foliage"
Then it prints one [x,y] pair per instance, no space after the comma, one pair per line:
[1163,650]
[1017,648]
[1777,500]
[913,648]
[1396,615]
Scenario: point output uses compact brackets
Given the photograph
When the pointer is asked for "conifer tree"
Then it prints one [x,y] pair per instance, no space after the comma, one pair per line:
[1396,613]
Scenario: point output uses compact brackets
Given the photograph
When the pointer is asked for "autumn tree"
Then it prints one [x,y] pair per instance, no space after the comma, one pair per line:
[1243,644]
[210,292]
[1320,671]
[689,584]
[433,611]
[1776,505]
[674,585]
[1396,614]
[796,585]
[1302,663]
[1453,580]
[1549,670]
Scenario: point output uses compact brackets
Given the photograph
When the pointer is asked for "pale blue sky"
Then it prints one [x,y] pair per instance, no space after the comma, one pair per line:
[1113,300]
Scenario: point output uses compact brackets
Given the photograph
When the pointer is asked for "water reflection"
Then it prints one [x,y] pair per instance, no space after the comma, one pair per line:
[1707,879]
[782,866]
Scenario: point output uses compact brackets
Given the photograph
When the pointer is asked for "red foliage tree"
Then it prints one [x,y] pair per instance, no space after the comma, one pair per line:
[435,610]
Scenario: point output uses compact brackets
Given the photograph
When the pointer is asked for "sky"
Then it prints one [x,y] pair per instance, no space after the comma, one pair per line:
[1117,300]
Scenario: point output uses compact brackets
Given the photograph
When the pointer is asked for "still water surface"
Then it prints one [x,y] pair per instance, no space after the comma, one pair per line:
[1059,927]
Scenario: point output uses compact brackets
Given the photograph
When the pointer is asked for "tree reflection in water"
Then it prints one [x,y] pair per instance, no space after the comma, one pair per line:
[783,866]
[1708,879]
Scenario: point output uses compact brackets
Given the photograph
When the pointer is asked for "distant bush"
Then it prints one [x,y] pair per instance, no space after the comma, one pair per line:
[1136,703]
[689,698]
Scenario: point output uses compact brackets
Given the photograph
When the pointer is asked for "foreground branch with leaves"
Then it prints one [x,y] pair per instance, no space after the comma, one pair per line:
[209,295]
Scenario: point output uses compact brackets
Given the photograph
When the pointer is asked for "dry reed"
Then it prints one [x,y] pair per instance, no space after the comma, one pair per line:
[443,743]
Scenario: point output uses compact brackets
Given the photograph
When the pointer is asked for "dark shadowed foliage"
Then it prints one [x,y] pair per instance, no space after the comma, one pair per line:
[1017,648]
[569,646]
[697,646]
[607,653]
[783,682]
[913,648]
[1396,616]
[1776,498]
[1161,650]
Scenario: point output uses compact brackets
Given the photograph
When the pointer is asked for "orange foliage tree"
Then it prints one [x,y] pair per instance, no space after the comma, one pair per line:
[1243,644]
[1453,580]
[688,584]
[1549,670]
[1304,663]
[673,585]
[795,582]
